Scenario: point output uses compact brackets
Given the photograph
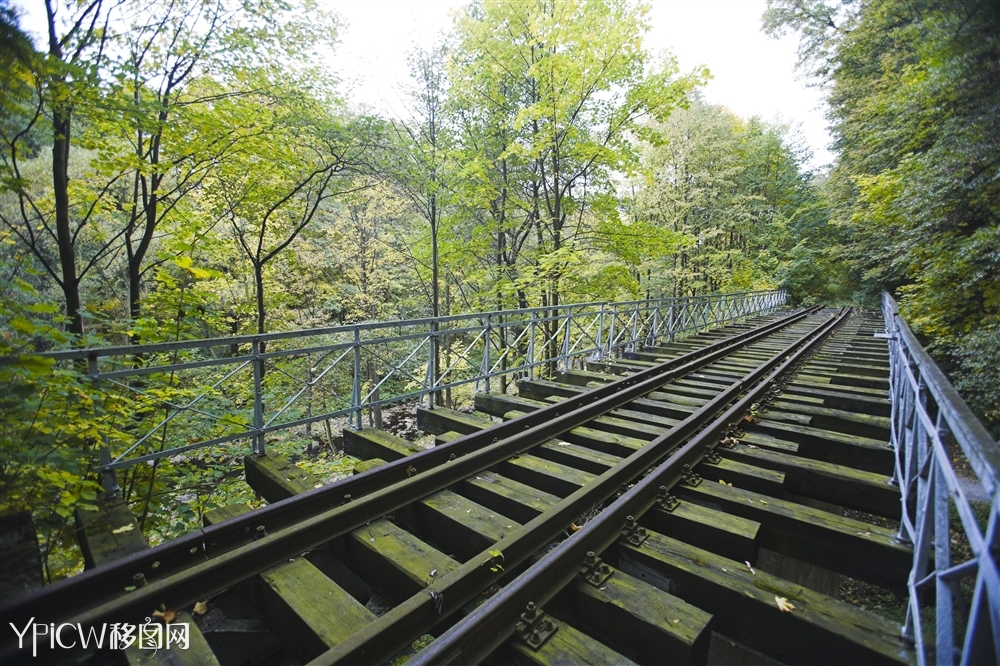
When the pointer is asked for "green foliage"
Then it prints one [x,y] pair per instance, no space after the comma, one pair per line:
[977,357]
[544,115]
[52,423]
[733,208]
[494,561]
[915,88]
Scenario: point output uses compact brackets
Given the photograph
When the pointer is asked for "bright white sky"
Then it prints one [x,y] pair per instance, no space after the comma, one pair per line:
[753,74]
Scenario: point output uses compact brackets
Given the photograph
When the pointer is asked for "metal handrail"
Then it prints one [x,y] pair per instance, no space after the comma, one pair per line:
[929,419]
[324,373]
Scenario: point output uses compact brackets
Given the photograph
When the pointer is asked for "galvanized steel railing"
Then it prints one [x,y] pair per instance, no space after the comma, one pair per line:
[931,428]
[248,387]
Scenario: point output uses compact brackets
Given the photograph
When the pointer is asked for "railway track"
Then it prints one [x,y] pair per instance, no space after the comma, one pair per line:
[649,509]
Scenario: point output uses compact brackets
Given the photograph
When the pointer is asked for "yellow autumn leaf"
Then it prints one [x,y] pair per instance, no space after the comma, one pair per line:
[124,528]
[200,608]
[167,615]
[783,605]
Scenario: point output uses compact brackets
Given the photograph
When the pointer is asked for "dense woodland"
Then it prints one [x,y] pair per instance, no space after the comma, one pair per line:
[192,169]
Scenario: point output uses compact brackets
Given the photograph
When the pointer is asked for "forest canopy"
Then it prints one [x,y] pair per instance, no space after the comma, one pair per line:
[914,98]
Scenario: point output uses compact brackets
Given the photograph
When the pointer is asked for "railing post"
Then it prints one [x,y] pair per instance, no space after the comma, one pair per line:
[611,331]
[565,345]
[431,364]
[356,383]
[600,333]
[652,329]
[670,322]
[309,396]
[486,353]
[531,347]
[258,398]
[681,320]
[635,326]
[108,477]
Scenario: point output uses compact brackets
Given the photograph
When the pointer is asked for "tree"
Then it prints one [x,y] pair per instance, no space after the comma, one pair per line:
[425,149]
[914,90]
[170,69]
[561,109]
[273,188]
[736,196]
[60,82]
[159,56]
[366,226]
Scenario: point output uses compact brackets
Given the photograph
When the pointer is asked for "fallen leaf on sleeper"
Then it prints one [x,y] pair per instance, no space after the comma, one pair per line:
[200,608]
[124,528]
[783,605]
[167,615]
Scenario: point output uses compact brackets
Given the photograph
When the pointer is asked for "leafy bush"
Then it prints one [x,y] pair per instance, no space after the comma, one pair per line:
[977,356]
[52,423]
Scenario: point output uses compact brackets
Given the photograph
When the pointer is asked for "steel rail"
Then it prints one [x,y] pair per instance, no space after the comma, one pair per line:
[387,634]
[179,573]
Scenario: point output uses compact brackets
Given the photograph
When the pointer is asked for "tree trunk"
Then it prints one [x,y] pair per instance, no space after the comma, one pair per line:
[258,276]
[61,124]
[435,277]
[135,259]
[435,295]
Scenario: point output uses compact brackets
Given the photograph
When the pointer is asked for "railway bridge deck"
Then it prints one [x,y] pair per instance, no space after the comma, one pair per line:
[719,498]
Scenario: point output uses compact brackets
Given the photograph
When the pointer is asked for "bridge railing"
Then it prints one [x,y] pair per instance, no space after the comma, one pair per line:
[954,584]
[176,397]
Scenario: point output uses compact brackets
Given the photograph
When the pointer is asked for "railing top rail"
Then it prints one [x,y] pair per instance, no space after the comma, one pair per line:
[128,350]
[982,452]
